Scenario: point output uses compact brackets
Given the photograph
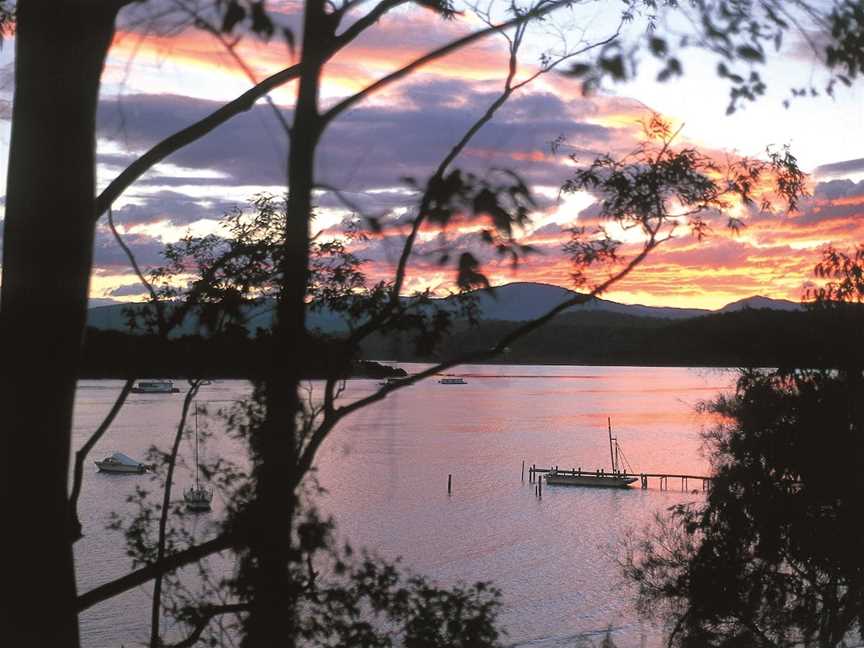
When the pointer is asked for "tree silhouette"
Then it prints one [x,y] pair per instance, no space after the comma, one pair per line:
[51,212]
[772,557]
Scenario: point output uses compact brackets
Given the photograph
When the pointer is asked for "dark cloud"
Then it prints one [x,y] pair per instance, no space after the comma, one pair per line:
[171,206]
[843,168]
[109,257]
[834,189]
[548,229]
[367,148]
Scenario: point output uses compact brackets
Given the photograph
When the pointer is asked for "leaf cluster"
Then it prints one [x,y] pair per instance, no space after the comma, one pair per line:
[658,189]
[739,34]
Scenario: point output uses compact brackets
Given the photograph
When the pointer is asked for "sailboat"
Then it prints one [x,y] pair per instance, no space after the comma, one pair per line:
[198,498]
[616,479]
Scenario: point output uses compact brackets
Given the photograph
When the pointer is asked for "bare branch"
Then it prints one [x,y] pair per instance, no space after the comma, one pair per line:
[168,564]
[157,303]
[205,614]
[166,509]
[449,48]
[190,134]
[81,457]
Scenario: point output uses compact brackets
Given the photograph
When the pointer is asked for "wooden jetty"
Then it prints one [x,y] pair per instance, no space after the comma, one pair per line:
[618,477]
[643,478]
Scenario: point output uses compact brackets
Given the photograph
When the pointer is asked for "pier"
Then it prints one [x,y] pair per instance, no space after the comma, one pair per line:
[663,479]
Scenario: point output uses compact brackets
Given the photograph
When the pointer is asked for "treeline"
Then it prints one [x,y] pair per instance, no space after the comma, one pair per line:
[755,338]
[114,354]
[752,338]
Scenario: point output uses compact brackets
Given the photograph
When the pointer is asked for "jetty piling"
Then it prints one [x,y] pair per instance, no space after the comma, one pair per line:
[449,484]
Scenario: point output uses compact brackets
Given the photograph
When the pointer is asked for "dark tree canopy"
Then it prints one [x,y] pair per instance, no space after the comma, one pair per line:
[773,557]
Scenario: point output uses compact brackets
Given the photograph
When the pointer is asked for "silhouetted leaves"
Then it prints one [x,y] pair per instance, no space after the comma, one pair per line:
[737,33]
[658,189]
[773,557]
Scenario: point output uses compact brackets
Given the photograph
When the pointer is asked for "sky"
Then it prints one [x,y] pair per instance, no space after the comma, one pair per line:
[159,80]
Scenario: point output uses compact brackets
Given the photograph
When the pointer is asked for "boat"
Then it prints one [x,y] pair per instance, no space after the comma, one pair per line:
[452,381]
[154,387]
[197,498]
[598,478]
[121,463]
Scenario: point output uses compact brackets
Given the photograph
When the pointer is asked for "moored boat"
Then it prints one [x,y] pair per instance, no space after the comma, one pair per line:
[121,463]
[154,387]
[598,478]
[582,478]
[197,498]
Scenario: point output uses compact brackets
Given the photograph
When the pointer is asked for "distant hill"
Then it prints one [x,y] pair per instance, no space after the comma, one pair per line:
[512,302]
[758,302]
[751,332]
[520,301]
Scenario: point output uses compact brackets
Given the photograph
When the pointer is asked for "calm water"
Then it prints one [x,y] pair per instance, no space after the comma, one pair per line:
[385,470]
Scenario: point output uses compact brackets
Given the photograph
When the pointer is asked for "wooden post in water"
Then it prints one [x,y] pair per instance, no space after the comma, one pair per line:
[523,471]
[449,484]
[540,488]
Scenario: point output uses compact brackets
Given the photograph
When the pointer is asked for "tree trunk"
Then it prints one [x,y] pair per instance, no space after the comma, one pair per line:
[47,250]
[274,590]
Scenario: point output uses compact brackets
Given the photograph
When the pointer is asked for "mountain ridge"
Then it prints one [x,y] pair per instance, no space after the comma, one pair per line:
[512,302]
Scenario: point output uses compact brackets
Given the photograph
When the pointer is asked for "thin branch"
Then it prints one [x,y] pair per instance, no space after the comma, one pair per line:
[505,341]
[231,48]
[331,418]
[145,574]
[205,615]
[449,48]
[233,108]
[156,606]
[157,303]
[361,24]
[81,457]
[190,134]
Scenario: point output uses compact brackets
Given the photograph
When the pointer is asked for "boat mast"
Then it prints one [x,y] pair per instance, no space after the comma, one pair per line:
[611,452]
[196,446]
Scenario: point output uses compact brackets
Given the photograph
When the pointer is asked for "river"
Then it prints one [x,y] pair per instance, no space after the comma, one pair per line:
[385,471]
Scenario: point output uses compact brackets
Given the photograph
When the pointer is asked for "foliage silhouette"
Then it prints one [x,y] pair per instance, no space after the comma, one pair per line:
[44,302]
[772,558]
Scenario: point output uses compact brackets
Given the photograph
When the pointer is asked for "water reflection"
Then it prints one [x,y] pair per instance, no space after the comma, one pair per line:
[385,470]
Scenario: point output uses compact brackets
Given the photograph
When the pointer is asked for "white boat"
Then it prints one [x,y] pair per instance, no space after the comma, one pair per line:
[197,498]
[452,381]
[120,463]
[154,387]
[598,478]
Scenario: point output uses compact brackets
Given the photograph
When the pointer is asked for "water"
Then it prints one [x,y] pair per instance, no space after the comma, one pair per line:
[386,467]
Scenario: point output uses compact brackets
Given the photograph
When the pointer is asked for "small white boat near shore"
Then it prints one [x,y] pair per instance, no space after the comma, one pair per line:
[154,387]
[121,463]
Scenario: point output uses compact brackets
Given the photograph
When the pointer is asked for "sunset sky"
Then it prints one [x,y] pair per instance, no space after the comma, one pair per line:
[154,85]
